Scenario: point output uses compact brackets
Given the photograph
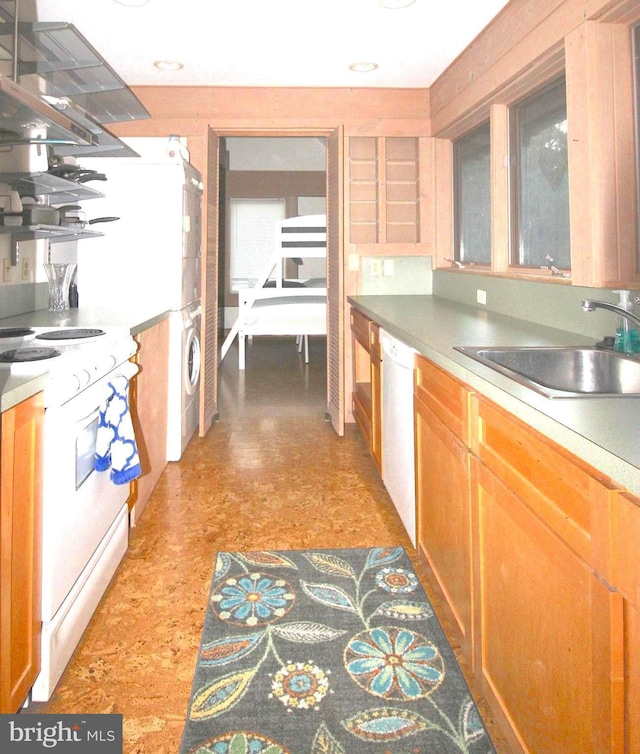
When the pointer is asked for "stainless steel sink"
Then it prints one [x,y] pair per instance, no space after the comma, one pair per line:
[564,371]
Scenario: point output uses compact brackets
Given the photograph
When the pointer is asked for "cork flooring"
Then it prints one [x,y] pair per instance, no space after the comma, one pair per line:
[270,474]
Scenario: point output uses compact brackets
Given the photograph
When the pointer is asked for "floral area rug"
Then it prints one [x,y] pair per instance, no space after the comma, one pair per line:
[326,652]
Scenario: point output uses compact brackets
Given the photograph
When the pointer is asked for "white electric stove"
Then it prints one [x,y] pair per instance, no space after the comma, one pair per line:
[85,523]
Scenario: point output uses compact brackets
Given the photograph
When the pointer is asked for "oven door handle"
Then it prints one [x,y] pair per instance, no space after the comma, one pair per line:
[128,370]
[93,398]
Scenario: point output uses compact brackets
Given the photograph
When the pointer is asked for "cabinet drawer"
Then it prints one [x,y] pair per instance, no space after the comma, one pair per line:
[572,498]
[362,414]
[374,340]
[446,396]
[360,328]
[627,541]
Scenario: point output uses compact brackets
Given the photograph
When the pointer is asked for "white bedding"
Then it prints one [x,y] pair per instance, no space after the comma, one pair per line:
[269,312]
[280,306]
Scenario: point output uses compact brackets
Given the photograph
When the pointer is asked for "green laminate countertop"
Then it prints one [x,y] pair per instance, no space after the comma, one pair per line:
[605,432]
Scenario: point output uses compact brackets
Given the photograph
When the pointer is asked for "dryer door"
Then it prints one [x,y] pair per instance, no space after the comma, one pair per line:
[192,362]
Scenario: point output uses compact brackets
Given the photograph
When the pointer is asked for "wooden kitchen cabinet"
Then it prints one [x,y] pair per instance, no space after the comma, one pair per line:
[20,550]
[549,626]
[627,539]
[443,495]
[150,396]
[384,190]
[632,677]
[366,396]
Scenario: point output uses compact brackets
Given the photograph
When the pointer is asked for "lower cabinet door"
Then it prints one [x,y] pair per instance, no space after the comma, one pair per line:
[443,502]
[551,660]
[20,548]
[632,677]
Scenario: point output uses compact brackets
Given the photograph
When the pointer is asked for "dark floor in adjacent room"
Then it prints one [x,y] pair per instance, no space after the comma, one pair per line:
[271,474]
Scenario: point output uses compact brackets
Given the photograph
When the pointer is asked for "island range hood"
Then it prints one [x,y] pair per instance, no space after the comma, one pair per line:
[25,119]
[78,83]
[78,92]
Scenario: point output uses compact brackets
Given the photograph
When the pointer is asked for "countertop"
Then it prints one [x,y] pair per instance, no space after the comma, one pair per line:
[602,431]
[14,388]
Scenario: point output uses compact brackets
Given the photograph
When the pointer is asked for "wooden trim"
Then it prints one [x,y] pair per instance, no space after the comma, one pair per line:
[500,188]
[209,327]
[269,109]
[603,183]
[522,44]
[427,206]
[336,295]
[382,190]
[443,197]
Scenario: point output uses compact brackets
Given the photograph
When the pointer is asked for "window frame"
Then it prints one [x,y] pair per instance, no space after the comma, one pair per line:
[457,197]
[515,174]
[634,32]
[603,153]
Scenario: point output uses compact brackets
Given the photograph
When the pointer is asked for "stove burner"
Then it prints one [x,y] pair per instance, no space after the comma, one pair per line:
[15,332]
[72,334]
[19,355]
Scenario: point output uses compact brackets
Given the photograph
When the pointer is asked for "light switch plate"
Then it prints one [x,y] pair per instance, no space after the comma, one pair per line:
[376,268]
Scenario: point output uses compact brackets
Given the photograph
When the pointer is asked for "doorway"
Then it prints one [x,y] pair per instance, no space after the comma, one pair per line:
[266,179]
[216,207]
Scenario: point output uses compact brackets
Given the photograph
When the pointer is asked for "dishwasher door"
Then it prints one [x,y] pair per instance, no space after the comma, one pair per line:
[398,465]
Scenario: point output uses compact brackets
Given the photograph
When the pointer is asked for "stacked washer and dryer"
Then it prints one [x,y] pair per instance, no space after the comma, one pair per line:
[150,261]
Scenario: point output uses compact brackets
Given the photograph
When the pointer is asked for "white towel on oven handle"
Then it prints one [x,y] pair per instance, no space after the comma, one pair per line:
[115,441]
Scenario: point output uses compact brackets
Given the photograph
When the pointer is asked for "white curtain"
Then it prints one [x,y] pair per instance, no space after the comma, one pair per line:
[253,224]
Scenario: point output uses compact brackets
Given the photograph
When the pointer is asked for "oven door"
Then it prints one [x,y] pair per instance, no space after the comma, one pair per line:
[79,503]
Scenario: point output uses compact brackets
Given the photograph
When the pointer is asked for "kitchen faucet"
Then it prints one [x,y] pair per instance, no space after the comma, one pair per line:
[589,305]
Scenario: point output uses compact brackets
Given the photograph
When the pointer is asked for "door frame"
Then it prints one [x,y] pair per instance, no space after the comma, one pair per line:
[335,263]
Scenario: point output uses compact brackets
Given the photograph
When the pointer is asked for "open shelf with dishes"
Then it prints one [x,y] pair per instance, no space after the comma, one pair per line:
[54,233]
[58,190]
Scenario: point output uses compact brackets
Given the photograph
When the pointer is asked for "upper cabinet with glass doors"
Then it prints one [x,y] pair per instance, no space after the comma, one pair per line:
[542,121]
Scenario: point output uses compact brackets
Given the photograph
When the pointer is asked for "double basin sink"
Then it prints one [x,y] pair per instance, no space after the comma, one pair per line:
[564,371]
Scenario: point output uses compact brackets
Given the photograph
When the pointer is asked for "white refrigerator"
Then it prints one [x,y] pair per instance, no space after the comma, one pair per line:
[150,258]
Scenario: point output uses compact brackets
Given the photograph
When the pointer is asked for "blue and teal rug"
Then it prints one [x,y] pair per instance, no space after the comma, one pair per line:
[326,652]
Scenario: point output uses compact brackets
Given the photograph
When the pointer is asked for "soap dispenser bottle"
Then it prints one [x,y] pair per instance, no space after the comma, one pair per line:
[627,339]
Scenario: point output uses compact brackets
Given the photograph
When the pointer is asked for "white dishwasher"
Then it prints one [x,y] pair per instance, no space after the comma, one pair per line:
[398,465]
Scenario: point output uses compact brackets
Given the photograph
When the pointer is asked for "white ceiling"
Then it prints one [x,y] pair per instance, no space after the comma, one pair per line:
[276,43]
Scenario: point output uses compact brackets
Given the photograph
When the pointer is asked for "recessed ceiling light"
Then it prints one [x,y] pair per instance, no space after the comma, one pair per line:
[363,67]
[168,65]
[132,3]
[396,3]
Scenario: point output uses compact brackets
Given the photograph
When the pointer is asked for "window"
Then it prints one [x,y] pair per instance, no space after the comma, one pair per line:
[252,238]
[539,181]
[472,186]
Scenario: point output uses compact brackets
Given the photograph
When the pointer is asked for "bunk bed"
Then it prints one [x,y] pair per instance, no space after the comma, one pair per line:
[282,304]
